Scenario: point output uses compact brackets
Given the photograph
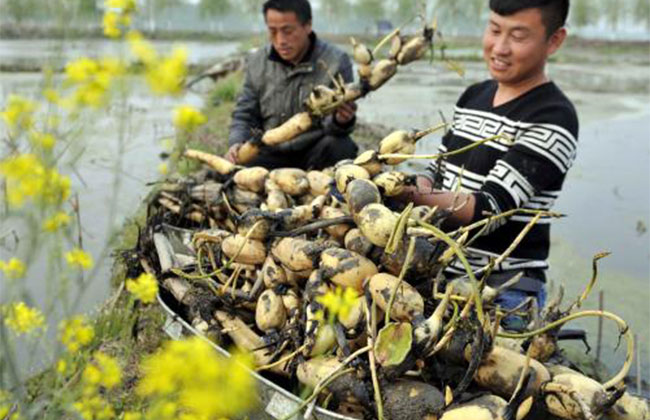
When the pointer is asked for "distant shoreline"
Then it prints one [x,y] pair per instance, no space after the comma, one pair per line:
[41,31]
[577,50]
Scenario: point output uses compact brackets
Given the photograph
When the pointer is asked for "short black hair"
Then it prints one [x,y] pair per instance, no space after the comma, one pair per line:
[554,12]
[301,8]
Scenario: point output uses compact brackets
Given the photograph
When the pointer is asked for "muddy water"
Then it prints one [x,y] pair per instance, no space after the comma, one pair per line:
[94,175]
[606,195]
[54,52]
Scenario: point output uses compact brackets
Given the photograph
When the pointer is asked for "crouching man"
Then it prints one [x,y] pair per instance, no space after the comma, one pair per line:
[279,77]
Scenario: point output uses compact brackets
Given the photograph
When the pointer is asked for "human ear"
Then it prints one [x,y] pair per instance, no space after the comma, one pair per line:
[556,40]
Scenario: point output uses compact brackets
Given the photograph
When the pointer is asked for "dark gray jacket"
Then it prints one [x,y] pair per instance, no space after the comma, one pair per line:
[274,91]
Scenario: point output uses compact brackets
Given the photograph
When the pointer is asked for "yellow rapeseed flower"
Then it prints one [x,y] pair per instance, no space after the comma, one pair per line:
[80,70]
[79,258]
[13,269]
[102,371]
[57,188]
[188,118]
[51,95]
[75,333]
[23,320]
[338,303]
[27,177]
[113,23]
[166,76]
[163,168]
[44,140]
[142,49]
[186,373]
[6,405]
[56,222]
[19,113]
[62,366]
[92,80]
[145,287]
[94,407]
[132,415]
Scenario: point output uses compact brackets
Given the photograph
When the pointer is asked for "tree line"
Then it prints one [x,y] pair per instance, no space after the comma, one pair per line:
[614,13]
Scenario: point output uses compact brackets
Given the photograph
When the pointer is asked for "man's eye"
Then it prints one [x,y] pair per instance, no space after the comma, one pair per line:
[518,37]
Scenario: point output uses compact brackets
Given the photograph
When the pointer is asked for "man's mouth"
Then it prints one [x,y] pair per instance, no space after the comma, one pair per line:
[499,64]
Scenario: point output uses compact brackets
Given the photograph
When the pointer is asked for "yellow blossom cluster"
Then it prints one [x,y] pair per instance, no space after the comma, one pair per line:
[75,333]
[338,303]
[13,269]
[103,371]
[45,141]
[182,377]
[27,177]
[144,288]
[79,258]
[188,118]
[94,407]
[57,221]
[22,319]
[92,80]
[7,406]
[19,113]
[117,17]
[164,75]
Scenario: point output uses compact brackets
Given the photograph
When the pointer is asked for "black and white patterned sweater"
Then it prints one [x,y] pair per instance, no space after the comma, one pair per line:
[526,172]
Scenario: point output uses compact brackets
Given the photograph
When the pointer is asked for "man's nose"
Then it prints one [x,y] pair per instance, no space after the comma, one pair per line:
[501,45]
[281,38]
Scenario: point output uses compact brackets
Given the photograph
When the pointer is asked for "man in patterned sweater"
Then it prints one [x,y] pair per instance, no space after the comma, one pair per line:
[525,171]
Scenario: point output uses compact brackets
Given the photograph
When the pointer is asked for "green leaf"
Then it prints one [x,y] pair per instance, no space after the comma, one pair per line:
[393,343]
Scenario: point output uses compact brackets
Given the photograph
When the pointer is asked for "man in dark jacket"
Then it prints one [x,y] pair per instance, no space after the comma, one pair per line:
[279,78]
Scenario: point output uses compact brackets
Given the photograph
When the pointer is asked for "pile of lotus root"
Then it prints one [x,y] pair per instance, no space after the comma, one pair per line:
[253,260]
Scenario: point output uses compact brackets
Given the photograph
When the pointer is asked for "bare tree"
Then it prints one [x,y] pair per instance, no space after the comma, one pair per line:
[642,12]
[252,7]
[155,7]
[334,11]
[407,9]
[614,12]
[212,9]
[18,10]
[370,9]
[582,12]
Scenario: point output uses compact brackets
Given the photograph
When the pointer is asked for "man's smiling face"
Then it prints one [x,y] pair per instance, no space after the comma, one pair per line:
[516,47]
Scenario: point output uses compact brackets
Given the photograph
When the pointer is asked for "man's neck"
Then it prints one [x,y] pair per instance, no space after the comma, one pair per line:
[507,92]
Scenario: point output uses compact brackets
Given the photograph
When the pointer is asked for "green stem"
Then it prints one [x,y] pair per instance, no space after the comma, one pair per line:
[461,256]
[441,155]
[625,331]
